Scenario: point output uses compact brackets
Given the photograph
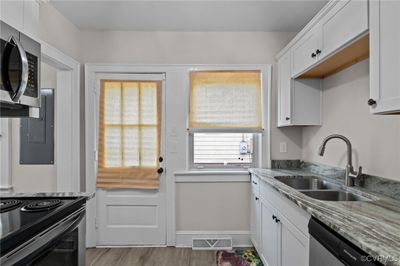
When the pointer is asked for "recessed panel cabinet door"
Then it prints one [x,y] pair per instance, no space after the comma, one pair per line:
[344,23]
[304,52]
[255,220]
[269,235]
[385,57]
[284,90]
[294,245]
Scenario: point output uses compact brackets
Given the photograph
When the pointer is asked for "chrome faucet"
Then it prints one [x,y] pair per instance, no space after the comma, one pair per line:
[350,174]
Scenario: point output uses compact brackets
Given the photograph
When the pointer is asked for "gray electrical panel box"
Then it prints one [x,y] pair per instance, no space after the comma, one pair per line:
[37,134]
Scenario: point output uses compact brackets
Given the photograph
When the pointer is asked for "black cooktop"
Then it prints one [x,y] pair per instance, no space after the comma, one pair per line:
[23,217]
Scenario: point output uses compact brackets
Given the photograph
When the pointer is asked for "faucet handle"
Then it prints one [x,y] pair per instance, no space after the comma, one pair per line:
[359,173]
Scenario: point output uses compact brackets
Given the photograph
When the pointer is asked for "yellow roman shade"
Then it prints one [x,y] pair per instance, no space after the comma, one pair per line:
[129,134]
[225,100]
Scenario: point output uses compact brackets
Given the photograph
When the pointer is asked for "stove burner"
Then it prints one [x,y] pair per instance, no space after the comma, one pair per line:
[8,204]
[42,205]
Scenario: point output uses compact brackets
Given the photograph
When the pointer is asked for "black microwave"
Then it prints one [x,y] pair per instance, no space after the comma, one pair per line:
[20,72]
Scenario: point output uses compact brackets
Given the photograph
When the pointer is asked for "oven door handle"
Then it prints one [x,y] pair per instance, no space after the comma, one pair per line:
[23,83]
[38,244]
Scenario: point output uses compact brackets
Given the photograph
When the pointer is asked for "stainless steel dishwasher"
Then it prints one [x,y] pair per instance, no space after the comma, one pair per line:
[328,248]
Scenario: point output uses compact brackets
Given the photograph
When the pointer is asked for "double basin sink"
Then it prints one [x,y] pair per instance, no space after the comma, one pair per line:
[319,189]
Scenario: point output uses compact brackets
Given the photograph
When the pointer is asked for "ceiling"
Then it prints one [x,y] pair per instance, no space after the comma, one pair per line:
[189,15]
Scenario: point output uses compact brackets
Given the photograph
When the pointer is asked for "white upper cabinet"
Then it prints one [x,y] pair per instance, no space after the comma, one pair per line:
[304,52]
[12,13]
[345,22]
[31,18]
[284,90]
[385,57]
[337,28]
[22,15]
[299,101]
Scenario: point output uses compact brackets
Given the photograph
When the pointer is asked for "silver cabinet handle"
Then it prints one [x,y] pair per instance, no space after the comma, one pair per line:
[24,71]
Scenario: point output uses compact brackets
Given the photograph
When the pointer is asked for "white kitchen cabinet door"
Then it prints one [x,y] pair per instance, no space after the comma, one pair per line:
[31,18]
[284,90]
[269,235]
[12,13]
[347,21]
[299,100]
[384,57]
[304,51]
[255,221]
[294,245]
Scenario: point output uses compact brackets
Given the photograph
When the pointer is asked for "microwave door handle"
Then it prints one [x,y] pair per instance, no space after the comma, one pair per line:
[24,71]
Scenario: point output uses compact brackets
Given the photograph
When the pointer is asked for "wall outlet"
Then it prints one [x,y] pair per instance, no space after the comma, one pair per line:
[283,147]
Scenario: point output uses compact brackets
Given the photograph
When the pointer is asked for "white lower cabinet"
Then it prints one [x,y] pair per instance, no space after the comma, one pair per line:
[283,238]
[255,213]
[294,244]
[269,235]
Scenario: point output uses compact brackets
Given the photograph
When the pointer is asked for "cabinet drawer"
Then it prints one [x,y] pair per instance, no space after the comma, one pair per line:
[255,185]
[289,209]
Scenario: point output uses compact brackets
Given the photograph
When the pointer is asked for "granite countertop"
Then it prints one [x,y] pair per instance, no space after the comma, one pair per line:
[373,226]
[87,195]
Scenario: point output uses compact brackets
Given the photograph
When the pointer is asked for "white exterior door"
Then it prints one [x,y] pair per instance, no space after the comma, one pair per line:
[132,216]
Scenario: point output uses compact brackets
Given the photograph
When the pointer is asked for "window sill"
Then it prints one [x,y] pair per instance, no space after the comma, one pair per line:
[212,176]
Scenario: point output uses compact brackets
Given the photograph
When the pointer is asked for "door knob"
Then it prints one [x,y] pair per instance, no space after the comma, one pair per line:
[371,102]
[160,170]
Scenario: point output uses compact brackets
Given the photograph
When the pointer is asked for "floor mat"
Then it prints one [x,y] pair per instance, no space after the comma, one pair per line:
[239,257]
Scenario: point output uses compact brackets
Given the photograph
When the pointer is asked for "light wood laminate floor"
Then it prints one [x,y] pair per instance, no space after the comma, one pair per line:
[157,256]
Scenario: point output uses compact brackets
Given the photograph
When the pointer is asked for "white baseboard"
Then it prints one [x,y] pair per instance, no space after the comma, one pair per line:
[239,238]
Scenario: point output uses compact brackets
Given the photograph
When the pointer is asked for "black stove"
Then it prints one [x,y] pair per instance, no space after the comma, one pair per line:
[8,204]
[30,220]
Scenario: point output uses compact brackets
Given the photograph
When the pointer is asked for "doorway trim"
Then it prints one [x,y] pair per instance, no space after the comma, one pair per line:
[67,98]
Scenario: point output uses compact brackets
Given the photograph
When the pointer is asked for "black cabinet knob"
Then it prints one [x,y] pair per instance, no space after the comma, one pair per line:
[313,55]
[273,217]
[256,198]
[160,159]
[287,118]
[371,102]
[160,170]
[318,51]
[254,182]
[277,220]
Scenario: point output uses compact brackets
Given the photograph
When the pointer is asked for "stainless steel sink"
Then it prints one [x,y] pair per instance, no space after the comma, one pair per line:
[334,195]
[306,182]
[319,189]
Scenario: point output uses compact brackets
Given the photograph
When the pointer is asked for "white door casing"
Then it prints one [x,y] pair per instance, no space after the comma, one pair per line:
[127,217]
[5,155]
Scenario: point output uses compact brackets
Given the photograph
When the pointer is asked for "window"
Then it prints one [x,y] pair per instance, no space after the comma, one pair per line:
[224,118]
[212,150]
[129,134]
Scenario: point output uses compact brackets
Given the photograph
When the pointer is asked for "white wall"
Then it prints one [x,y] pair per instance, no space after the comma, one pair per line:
[59,32]
[375,138]
[196,48]
[33,178]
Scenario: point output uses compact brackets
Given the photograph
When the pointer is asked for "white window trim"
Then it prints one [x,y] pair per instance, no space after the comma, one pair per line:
[265,119]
